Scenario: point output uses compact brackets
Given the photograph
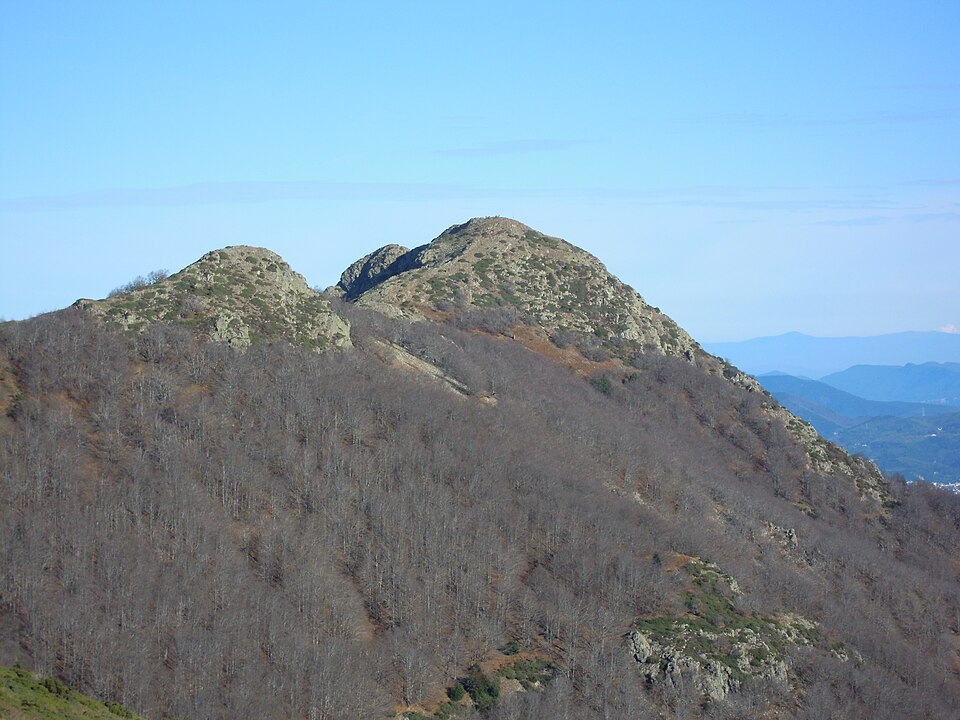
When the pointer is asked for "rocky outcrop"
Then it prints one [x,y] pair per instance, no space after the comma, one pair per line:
[828,458]
[714,677]
[394,355]
[823,456]
[714,648]
[491,263]
[237,295]
[370,270]
[785,537]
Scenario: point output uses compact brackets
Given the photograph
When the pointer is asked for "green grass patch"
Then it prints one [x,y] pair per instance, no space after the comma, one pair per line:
[24,696]
[483,690]
[482,267]
[528,673]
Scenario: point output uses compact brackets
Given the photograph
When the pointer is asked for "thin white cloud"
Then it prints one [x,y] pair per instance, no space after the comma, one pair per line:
[748,199]
[937,181]
[950,328]
[857,221]
[933,217]
[245,192]
[799,120]
[511,147]
[789,204]
[235,193]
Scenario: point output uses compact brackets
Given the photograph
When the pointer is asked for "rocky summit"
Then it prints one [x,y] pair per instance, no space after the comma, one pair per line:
[558,300]
[500,264]
[237,295]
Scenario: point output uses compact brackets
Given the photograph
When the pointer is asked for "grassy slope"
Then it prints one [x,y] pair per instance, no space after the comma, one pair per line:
[23,696]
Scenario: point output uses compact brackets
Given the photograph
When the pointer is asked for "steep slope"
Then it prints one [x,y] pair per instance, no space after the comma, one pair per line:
[498,274]
[237,295]
[281,533]
[498,263]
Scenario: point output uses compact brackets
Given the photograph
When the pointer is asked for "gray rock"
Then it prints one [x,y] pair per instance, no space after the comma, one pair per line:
[236,295]
[370,270]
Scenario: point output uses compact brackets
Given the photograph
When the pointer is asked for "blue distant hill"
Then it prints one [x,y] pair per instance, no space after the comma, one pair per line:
[919,440]
[808,356]
[927,383]
[916,447]
[836,408]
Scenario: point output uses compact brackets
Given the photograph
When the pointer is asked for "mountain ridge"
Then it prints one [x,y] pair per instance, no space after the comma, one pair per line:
[236,295]
[492,274]
[549,295]
[476,507]
[846,403]
[499,263]
[929,382]
[824,355]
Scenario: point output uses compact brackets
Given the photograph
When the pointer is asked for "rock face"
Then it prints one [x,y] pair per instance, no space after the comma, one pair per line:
[369,271]
[396,356]
[237,295]
[714,648]
[714,678]
[498,263]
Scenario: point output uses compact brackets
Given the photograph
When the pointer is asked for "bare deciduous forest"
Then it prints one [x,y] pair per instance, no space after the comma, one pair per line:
[200,533]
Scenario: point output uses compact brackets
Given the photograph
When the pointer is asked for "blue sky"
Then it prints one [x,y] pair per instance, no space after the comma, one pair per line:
[750,168]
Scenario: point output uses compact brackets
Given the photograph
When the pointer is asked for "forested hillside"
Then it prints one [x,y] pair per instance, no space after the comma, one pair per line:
[457,517]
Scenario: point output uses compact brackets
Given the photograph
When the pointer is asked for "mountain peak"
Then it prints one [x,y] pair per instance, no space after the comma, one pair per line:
[499,264]
[558,300]
[479,233]
[237,295]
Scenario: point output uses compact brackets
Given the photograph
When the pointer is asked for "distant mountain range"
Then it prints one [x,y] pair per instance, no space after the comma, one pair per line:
[808,356]
[828,408]
[918,440]
[927,383]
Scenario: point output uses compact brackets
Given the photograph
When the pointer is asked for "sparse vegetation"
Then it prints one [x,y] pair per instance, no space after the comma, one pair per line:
[483,690]
[140,282]
[603,384]
[225,297]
